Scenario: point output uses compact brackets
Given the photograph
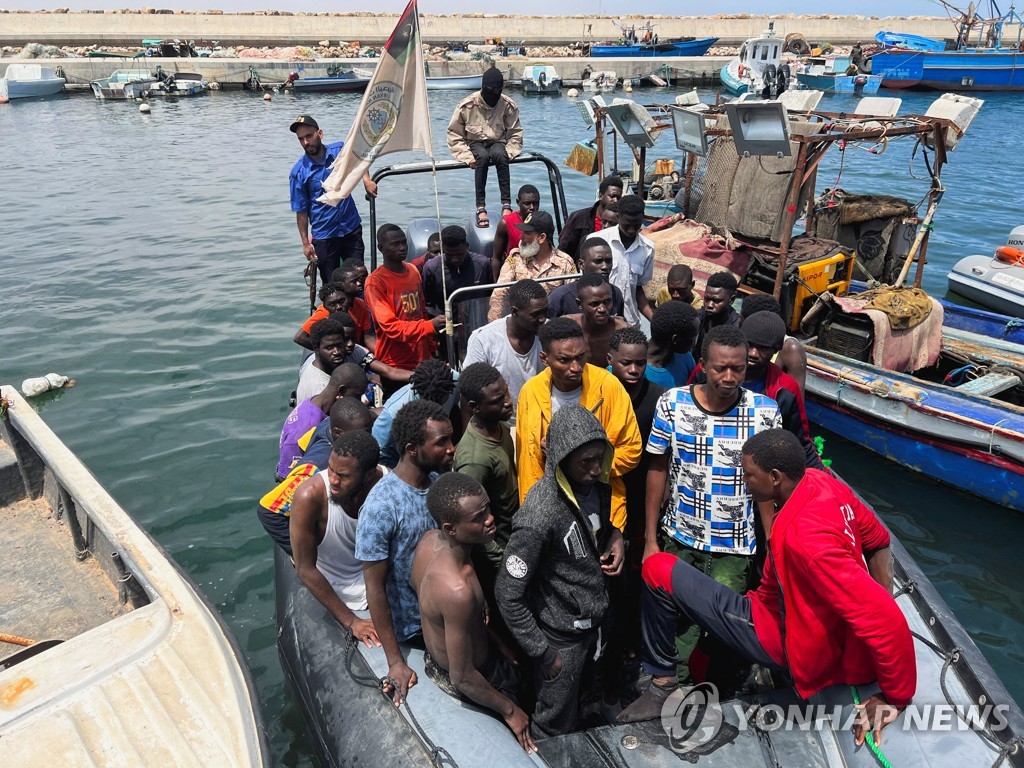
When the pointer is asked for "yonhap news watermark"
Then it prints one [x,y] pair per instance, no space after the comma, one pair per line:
[693,717]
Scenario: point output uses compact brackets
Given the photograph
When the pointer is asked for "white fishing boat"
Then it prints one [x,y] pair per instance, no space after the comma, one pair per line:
[125,662]
[454,82]
[759,68]
[541,79]
[168,84]
[113,87]
[21,81]
[599,82]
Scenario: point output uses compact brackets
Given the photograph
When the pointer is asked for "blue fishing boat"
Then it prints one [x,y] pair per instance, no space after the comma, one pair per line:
[685,46]
[960,421]
[987,64]
[828,74]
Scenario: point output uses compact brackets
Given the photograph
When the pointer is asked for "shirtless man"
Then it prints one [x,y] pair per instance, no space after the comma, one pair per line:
[322,527]
[462,658]
[594,298]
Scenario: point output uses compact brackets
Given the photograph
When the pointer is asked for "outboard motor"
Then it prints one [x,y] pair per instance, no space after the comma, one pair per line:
[417,235]
[1016,238]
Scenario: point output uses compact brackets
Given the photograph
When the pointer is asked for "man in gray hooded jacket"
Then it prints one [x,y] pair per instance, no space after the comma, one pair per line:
[552,590]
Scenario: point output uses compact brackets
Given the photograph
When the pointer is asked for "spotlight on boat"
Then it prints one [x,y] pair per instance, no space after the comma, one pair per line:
[688,125]
[878,106]
[759,128]
[632,122]
[958,108]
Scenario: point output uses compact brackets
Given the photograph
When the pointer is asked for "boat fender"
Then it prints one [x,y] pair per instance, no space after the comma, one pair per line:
[1010,255]
[37,385]
[741,70]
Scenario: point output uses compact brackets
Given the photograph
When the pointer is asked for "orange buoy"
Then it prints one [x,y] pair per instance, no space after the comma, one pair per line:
[1010,255]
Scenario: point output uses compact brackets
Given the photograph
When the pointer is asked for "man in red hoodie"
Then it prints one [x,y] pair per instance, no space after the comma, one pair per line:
[824,611]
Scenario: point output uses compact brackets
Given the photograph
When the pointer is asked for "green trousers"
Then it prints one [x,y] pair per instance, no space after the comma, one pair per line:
[730,570]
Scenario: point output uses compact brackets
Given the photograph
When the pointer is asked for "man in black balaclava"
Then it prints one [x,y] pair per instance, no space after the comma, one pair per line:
[485,131]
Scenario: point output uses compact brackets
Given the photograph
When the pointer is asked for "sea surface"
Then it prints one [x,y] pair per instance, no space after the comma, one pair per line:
[154,258]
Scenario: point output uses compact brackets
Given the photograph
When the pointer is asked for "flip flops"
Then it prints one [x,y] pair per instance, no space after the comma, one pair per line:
[482,221]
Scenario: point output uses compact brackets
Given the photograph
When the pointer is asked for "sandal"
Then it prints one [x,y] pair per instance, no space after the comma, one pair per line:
[482,221]
[506,209]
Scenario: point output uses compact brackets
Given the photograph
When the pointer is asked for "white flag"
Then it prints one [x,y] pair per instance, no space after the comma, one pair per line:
[393,116]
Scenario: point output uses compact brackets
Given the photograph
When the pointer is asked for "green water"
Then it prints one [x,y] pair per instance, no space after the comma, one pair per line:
[155,259]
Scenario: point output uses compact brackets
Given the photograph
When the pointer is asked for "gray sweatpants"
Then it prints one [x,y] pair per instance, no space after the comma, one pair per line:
[558,700]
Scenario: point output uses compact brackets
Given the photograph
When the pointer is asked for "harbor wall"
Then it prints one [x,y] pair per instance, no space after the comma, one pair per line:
[231,73]
[285,28]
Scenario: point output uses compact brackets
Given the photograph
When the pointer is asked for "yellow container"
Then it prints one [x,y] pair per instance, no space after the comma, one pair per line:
[664,167]
[830,274]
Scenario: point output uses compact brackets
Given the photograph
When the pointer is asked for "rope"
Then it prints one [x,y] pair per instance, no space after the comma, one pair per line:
[875,749]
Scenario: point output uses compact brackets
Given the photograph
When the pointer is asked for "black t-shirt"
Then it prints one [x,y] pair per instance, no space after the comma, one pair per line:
[644,403]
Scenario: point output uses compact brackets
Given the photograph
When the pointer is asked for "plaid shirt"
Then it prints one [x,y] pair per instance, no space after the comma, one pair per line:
[518,268]
[709,507]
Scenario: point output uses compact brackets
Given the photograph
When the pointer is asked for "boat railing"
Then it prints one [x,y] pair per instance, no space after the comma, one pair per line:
[449,327]
[561,212]
[96,522]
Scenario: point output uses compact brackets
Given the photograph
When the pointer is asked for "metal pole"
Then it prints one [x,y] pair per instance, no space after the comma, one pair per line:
[787,230]
[642,174]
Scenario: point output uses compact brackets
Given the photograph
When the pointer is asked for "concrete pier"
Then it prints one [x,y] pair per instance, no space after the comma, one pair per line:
[231,73]
[286,28]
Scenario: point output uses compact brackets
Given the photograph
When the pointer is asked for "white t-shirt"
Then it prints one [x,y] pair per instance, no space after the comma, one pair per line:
[490,344]
[560,398]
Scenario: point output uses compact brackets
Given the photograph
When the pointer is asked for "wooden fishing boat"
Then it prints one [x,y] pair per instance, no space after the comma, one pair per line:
[131,666]
[693,46]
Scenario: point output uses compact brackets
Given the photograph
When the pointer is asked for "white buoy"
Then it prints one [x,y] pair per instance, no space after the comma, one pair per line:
[4,99]
[214,85]
[144,109]
[572,93]
[628,87]
[139,99]
[266,97]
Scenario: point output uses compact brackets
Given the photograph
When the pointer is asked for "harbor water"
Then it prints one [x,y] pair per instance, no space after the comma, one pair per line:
[154,258]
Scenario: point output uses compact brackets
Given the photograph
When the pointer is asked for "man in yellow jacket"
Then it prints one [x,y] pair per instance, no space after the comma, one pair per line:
[569,379]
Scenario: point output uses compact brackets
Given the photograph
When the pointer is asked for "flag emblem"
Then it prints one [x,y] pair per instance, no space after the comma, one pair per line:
[383,103]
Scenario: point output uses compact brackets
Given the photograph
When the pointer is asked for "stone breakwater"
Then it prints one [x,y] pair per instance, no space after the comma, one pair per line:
[284,28]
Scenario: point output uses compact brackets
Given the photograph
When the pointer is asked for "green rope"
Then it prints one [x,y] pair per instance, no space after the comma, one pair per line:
[875,749]
[819,444]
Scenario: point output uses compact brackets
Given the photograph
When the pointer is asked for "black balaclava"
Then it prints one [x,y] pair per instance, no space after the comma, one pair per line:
[493,82]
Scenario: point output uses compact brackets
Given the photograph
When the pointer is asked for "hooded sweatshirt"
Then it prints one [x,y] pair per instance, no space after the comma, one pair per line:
[551,586]
[818,610]
[604,396]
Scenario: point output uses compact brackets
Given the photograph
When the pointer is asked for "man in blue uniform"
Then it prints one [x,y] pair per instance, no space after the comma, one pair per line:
[329,234]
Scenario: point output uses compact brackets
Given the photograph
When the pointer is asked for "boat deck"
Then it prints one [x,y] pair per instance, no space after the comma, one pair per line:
[45,593]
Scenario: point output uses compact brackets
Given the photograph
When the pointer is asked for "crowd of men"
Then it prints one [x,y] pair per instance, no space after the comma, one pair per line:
[582,514]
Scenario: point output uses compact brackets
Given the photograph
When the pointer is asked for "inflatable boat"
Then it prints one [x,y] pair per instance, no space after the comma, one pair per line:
[971,719]
[996,281]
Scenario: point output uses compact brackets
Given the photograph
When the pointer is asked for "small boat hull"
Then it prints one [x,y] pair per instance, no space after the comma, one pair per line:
[455,83]
[330,84]
[908,41]
[23,81]
[731,80]
[122,84]
[696,47]
[991,283]
[841,83]
[541,80]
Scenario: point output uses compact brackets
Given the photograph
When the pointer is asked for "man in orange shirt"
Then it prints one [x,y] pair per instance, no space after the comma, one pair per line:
[342,294]
[394,295]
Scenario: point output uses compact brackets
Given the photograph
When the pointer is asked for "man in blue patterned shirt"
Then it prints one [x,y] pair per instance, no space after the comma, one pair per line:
[696,445]
[391,522]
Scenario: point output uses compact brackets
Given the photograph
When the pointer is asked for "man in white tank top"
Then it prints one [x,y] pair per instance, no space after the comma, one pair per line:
[323,530]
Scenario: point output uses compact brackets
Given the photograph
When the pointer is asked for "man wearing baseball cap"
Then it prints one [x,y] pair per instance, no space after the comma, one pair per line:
[329,234]
[535,257]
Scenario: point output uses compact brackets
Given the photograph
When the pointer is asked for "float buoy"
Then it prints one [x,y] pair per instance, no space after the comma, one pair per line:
[4,100]
[1010,255]
[214,85]
[144,109]
[266,97]
[572,93]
